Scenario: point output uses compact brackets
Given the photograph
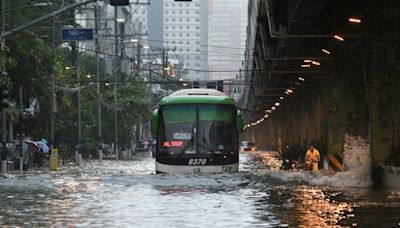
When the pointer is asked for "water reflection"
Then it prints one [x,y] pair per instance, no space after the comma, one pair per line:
[128,194]
[37,207]
[315,208]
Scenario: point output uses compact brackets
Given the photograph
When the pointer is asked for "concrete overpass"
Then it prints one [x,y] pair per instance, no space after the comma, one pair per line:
[330,75]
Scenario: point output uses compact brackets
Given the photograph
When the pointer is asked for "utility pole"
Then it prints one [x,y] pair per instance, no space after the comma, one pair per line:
[99,146]
[52,91]
[4,115]
[4,142]
[163,64]
[139,120]
[115,83]
[149,63]
[78,153]
[166,59]
[138,49]
[21,150]
[166,64]
[138,59]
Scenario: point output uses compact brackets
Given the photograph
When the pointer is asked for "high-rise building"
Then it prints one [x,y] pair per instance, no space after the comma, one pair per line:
[156,24]
[204,35]
[227,21]
[185,36]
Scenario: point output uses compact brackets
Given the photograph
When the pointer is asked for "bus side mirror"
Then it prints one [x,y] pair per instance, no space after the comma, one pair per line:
[239,121]
[154,122]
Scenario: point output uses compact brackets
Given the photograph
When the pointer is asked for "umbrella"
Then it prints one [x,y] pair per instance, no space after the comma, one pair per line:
[43,146]
[28,146]
[32,146]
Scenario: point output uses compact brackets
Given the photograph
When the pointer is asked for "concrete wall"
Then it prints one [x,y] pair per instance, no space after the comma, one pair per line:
[358,95]
[357,92]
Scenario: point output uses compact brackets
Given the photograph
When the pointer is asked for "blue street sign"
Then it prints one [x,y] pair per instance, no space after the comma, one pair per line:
[73,34]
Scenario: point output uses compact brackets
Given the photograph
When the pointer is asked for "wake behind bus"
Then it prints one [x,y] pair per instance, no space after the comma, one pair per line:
[197,132]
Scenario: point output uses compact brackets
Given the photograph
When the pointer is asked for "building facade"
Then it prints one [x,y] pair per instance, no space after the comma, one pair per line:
[227,21]
[185,36]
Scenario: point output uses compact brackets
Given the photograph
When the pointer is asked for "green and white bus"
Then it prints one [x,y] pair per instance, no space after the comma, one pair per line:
[197,132]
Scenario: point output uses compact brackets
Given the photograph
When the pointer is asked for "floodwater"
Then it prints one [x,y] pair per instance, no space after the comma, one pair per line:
[129,194]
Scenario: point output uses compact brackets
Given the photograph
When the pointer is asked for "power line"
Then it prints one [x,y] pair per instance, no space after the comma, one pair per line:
[169,80]
[216,71]
[202,45]
[155,64]
[207,53]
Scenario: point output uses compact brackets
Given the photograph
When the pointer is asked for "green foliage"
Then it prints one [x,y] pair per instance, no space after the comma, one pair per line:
[131,104]
[134,102]
[29,61]
[6,61]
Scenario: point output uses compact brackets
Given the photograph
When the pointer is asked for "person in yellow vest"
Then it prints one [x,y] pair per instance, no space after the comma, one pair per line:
[312,158]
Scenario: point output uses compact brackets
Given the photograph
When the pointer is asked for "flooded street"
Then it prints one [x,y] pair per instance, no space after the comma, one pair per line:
[192,106]
[129,194]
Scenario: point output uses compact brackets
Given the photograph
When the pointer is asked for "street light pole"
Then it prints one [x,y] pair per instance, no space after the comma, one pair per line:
[99,146]
[52,91]
[115,119]
[78,153]
[3,111]
[53,14]
[21,148]
[138,50]
[115,84]
[163,64]
[3,140]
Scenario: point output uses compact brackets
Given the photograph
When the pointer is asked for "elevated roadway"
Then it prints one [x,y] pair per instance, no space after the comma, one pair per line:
[317,71]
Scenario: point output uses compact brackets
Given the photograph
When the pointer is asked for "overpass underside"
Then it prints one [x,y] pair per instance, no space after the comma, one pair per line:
[350,87]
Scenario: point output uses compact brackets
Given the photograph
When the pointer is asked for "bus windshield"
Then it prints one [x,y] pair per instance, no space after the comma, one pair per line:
[197,129]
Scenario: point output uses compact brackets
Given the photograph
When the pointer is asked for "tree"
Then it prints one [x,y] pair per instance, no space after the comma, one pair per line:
[131,103]
[30,63]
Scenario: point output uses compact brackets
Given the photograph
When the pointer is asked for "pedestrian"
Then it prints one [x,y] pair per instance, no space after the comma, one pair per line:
[25,156]
[312,158]
[286,158]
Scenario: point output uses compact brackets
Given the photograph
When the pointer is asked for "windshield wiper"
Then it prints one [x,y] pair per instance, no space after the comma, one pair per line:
[205,144]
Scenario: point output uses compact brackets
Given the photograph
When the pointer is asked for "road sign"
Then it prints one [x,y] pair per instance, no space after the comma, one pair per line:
[76,34]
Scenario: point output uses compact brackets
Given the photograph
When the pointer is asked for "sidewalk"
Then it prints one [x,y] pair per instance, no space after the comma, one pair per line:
[90,168]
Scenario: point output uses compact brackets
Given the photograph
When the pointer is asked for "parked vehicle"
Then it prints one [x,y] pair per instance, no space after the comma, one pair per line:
[143,146]
[247,146]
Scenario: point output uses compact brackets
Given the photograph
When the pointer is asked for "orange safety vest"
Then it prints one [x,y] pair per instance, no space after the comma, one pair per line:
[312,156]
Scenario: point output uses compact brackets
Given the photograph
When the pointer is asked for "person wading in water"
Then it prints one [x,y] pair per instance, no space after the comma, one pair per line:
[312,158]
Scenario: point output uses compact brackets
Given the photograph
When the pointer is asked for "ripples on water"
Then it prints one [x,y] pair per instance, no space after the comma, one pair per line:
[129,194]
